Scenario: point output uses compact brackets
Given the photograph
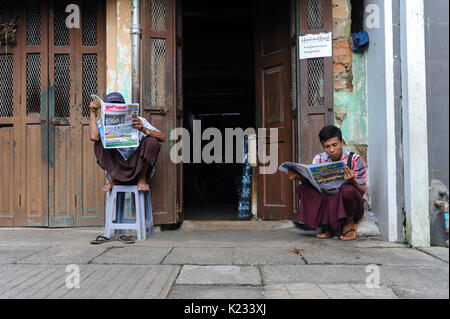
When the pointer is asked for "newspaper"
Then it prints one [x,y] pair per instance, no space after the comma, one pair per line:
[327,178]
[117,123]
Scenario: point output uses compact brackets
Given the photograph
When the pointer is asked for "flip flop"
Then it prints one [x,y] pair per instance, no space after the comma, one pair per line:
[100,240]
[354,230]
[125,239]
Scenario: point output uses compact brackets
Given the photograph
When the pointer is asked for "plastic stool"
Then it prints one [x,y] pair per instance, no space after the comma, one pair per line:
[145,201]
[142,221]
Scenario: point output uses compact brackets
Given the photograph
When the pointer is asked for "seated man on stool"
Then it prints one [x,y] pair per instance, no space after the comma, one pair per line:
[128,166]
[340,211]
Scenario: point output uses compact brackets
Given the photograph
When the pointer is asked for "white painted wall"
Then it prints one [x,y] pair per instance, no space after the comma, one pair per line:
[381,122]
[415,130]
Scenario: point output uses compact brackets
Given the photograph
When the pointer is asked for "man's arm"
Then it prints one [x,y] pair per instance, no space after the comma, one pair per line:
[158,135]
[350,177]
[140,126]
[93,128]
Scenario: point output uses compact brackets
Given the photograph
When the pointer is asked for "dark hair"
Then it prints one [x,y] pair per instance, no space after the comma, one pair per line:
[329,132]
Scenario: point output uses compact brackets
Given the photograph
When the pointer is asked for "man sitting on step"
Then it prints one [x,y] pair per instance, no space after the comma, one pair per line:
[341,211]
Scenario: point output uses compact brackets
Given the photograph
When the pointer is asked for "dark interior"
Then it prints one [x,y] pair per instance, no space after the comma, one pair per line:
[218,80]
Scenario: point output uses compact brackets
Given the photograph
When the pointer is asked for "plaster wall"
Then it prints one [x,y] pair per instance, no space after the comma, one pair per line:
[350,105]
[437,64]
[415,128]
[350,81]
[118,47]
[381,122]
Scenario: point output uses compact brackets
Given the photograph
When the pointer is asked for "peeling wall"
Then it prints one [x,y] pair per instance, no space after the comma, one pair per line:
[349,81]
[350,108]
[118,47]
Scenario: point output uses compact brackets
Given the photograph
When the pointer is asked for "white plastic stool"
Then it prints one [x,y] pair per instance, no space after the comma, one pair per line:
[141,223]
[145,201]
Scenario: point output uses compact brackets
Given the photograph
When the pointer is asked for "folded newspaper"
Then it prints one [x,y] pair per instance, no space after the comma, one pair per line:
[327,178]
[117,122]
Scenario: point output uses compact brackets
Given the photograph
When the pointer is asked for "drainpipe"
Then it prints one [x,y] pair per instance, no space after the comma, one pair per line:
[136,32]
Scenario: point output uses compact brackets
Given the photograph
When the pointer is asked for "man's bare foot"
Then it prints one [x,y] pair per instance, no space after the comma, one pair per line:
[349,232]
[142,185]
[109,186]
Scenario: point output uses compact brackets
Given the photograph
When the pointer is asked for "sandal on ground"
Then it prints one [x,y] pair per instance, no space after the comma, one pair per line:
[100,240]
[327,233]
[353,230]
[125,239]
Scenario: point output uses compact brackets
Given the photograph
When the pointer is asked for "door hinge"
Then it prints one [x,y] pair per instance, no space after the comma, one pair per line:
[20,200]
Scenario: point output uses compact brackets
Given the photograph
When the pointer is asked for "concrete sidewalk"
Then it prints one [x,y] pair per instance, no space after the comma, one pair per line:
[250,260]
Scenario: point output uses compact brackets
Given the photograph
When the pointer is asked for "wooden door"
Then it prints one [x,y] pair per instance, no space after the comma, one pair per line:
[316,80]
[274,101]
[159,102]
[23,117]
[76,70]
[49,175]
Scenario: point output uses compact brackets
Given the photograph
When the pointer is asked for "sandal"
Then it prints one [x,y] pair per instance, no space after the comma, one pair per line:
[354,230]
[125,239]
[327,233]
[100,240]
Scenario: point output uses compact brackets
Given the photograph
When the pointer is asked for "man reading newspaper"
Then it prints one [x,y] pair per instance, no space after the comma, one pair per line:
[132,165]
[335,212]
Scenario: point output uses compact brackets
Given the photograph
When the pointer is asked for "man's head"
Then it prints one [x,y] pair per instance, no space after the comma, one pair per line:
[332,142]
[114,98]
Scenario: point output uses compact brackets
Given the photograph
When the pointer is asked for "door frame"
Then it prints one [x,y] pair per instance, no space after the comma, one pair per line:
[169,207]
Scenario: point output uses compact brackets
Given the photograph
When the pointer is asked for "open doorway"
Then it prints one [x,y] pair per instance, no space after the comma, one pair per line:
[219,90]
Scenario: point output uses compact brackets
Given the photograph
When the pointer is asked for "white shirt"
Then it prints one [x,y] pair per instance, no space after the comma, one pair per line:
[127,152]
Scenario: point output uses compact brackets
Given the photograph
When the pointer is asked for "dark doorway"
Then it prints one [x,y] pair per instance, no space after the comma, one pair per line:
[219,90]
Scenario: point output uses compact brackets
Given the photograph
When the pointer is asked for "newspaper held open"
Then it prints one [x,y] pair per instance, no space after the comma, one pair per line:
[327,178]
[117,124]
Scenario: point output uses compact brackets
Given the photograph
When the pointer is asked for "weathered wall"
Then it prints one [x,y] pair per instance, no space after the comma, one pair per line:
[437,63]
[381,125]
[398,109]
[118,47]
[349,81]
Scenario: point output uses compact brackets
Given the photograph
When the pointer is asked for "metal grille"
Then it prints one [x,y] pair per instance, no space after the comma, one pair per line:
[158,66]
[89,23]
[315,14]
[89,80]
[316,82]
[33,23]
[62,85]
[6,11]
[159,15]
[61,31]
[33,84]
[6,85]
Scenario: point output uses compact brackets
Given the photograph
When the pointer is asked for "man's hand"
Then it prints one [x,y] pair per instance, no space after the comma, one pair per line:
[94,106]
[349,175]
[138,124]
[294,176]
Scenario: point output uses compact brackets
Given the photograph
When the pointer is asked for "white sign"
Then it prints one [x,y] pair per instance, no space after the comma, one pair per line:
[316,46]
